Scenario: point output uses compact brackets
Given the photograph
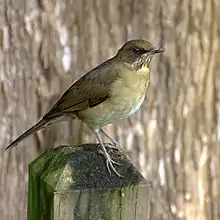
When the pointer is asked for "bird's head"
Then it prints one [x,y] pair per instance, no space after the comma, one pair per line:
[138,53]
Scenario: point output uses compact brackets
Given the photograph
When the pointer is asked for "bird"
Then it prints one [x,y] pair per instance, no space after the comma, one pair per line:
[110,92]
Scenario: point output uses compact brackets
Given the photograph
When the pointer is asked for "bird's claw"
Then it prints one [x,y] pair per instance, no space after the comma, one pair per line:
[109,164]
[113,146]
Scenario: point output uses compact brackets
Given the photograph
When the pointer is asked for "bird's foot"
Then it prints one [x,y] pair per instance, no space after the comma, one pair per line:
[115,146]
[112,146]
[109,164]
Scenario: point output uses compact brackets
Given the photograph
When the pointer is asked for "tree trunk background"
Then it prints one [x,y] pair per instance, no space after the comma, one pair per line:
[174,139]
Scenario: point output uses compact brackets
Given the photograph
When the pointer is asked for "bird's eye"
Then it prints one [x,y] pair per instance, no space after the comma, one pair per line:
[138,51]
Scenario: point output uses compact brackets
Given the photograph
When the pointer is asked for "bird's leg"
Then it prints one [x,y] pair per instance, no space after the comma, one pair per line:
[109,161]
[114,142]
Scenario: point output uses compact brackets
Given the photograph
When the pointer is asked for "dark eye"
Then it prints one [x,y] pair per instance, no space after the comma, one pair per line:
[138,51]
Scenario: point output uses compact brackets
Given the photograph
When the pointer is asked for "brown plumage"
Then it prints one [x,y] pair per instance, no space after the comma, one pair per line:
[108,93]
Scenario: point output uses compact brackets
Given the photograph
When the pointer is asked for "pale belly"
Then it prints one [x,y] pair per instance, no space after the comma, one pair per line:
[112,110]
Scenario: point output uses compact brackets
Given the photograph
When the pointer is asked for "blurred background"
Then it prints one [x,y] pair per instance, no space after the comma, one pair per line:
[174,139]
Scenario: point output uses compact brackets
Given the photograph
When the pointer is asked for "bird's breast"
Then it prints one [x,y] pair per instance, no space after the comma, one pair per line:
[136,106]
[126,97]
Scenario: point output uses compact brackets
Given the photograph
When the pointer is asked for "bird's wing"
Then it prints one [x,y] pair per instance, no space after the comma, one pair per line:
[89,91]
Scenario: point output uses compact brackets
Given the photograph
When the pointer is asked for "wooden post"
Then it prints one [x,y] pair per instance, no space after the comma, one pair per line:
[72,183]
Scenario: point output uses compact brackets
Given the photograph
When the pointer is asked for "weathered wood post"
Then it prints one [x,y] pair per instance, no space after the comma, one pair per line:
[73,184]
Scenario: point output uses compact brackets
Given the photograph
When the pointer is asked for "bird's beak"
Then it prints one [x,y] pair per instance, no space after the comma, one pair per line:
[158,50]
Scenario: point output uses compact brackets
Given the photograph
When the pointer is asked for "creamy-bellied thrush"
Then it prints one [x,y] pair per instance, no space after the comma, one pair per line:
[108,93]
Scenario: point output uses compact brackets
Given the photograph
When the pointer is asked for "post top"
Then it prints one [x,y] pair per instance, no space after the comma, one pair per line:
[83,167]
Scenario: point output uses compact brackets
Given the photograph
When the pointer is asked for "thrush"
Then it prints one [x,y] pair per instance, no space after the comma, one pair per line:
[112,91]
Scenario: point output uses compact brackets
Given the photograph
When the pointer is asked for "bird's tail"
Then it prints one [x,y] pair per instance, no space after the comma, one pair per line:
[42,123]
